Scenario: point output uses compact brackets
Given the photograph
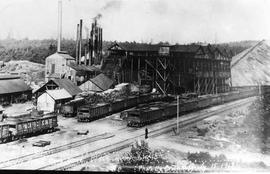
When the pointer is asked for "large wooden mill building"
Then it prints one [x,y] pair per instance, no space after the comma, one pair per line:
[203,69]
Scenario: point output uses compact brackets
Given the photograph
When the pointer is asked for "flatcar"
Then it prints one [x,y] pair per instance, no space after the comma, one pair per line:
[16,128]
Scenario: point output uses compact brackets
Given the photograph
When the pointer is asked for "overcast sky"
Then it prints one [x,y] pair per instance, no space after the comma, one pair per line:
[181,21]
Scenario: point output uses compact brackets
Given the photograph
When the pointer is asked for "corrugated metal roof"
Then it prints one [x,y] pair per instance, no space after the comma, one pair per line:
[12,86]
[59,94]
[68,85]
[99,83]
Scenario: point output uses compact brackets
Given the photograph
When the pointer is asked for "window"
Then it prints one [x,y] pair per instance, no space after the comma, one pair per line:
[53,68]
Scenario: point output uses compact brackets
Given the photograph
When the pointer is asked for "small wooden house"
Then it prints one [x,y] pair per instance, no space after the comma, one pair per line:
[51,99]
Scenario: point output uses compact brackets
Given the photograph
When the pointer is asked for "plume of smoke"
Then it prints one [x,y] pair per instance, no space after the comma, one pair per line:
[111,5]
[115,4]
[98,16]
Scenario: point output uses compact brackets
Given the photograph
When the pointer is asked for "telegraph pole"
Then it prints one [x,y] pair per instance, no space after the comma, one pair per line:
[177,120]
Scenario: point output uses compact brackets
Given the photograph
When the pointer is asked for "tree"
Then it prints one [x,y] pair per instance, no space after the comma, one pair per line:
[142,159]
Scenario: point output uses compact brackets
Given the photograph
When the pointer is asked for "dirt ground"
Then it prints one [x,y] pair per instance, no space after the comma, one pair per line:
[238,134]
[68,128]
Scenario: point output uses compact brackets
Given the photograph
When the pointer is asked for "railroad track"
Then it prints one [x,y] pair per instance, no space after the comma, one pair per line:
[76,161]
[32,156]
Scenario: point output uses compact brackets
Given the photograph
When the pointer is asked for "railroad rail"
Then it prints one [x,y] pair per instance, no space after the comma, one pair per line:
[107,144]
[32,156]
[74,162]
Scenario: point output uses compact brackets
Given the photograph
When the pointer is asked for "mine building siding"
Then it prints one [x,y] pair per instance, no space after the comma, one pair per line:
[171,69]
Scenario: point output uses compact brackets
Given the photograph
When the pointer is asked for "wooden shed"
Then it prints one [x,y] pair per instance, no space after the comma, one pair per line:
[49,100]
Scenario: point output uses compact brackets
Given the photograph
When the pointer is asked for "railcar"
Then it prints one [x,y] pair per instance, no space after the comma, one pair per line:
[69,109]
[143,116]
[118,105]
[4,132]
[17,128]
[89,113]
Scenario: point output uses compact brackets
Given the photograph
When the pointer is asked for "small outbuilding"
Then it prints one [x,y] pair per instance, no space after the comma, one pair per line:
[50,100]
[97,84]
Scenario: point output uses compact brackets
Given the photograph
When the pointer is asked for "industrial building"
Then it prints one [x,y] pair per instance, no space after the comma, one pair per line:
[61,65]
[13,89]
[203,69]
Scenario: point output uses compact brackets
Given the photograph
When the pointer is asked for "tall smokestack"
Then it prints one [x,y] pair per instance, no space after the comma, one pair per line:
[80,42]
[101,42]
[77,43]
[59,25]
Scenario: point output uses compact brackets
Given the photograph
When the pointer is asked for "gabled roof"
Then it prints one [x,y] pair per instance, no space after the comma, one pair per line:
[61,55]
[59,94]
[68,85]
[102,81]
[12,86]
[99,83]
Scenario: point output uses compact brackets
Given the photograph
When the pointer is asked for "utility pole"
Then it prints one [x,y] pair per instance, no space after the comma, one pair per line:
[177,120]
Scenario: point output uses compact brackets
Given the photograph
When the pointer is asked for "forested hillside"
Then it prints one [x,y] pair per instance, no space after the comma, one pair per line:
[38,50]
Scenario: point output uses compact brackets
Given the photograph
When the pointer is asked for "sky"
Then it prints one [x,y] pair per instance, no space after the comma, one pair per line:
[175,21]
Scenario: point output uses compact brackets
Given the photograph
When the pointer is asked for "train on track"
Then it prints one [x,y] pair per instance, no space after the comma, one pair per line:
[26,126]
[70,108]
[143,115]
[87,113]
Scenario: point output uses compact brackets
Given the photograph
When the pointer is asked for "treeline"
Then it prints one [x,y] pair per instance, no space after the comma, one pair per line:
[38,50]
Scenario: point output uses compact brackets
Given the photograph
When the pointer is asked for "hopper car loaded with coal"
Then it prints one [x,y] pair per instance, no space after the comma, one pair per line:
[88,113]
[158,111]
[18,128]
